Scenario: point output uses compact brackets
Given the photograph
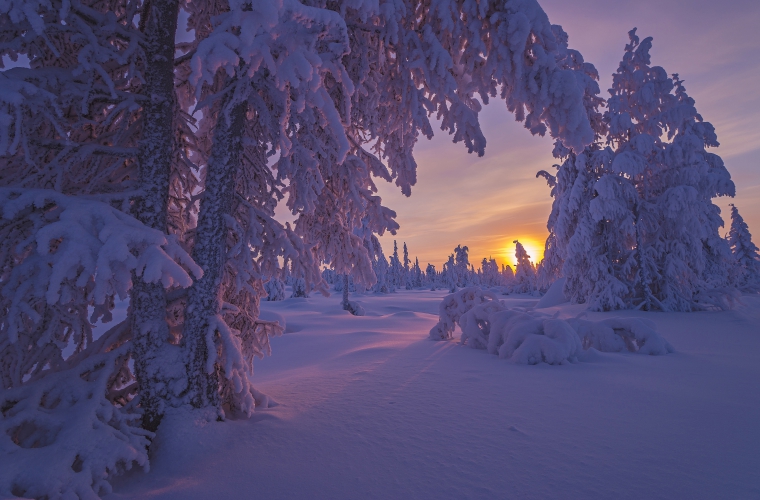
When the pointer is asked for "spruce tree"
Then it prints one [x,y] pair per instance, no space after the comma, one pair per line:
[746,254]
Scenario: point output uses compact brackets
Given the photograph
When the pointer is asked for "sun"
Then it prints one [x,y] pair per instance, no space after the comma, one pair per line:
[534,248]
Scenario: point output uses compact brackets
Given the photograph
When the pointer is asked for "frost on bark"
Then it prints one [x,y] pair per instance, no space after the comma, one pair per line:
[210,251]
[154,356]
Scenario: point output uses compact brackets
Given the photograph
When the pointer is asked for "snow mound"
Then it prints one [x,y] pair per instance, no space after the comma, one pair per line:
[530,337]
[354,308]
[621,334]
[554,296]
[273,317]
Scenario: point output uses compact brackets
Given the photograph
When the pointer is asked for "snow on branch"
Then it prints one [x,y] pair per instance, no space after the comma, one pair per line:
[528,337]
[60,254]
[66,434]
[80,240]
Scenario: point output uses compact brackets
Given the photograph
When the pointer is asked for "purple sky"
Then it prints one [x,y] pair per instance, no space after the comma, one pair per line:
[487,202]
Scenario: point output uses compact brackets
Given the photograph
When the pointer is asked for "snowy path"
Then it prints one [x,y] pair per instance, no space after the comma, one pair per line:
[371,409]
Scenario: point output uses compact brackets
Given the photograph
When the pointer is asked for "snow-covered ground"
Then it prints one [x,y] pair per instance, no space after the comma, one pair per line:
[368,407]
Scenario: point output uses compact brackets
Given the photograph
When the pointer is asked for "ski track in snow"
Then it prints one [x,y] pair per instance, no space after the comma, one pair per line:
[368,407]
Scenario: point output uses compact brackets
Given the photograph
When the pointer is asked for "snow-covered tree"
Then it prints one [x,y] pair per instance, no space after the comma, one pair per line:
[417,275]
[525,271]
[408,279]
[395,270]
[299,289]
[379,264]
[572,187]
[462,272]
[679,250]
[105,113]
[71,253]
[746,254]
[449,274]
[633,223]
[490,273]
[432,276]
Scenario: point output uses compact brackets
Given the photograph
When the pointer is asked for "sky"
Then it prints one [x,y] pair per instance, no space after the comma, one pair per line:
[487,202]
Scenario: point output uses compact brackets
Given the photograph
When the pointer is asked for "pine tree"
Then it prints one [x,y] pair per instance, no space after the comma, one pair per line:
[679,252]
[746,254]
[462,273]
[490,273]
[525,271]
[418,275]
[408,279]
[431,276]
[633,224]
[395,270]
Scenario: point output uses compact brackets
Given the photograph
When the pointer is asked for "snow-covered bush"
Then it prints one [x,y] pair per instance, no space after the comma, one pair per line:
[454,306]
[299,289]
[529,337]
[354,308]
[275,289]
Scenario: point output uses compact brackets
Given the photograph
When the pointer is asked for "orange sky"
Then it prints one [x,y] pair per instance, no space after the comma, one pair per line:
[486,203]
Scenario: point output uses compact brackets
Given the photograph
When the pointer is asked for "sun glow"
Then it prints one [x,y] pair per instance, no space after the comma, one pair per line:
[534,248]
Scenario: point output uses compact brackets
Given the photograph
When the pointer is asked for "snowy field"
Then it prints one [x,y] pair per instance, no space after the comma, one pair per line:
[368,407]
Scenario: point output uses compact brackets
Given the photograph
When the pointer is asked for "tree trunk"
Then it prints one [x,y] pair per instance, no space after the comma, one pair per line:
[148,301]
[209,252]
[346,306]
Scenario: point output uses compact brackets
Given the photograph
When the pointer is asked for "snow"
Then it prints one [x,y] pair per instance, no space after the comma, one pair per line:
[554,296]
[368,407]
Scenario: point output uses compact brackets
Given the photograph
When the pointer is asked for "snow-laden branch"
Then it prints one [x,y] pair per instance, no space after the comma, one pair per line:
[60,244]
[65,435]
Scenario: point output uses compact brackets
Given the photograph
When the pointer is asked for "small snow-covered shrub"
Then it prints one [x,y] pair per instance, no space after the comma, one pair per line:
[452,308]
[338,284]
[354,308]
[275,290]
[530,337]
[299,288]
